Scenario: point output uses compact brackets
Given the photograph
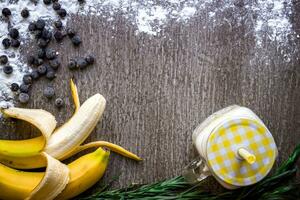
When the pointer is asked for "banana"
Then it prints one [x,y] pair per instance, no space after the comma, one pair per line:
[21,148]
[83,173]
[65,140]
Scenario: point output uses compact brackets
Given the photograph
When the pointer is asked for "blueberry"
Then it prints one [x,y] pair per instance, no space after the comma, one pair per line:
[42,43]
[34,75]
[50,54]
[6,43]
[27,79]
[7,69]
[90,59]
[59,102]
[56,6]
[46,34]
[32,26]
[24,88]
[54,1]
[71,32]
[13,33]
[55,63]
[81,63]
[62,12]
[50,75]
[6,12]
[58,35]
[41,53]
[23,98]
[81,1]
[31,59]
[47,2]
[15,43]
[38,34]
[72,64]
[3,59]
[14,87]
[42,70]
[76,40]
[25,13]
[38,62]
[58,24]
[40,24]
[49,92]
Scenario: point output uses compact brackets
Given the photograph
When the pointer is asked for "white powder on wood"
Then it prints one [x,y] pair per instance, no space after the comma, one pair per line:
[148,16]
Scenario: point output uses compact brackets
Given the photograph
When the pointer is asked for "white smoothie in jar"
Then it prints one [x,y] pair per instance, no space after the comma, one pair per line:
[236,146]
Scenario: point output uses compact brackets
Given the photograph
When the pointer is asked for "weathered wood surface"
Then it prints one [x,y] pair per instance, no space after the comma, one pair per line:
[159,88]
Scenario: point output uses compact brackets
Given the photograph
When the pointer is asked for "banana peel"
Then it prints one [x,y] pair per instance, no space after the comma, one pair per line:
[113,147]
[54,181]
[75,96]
[41,119]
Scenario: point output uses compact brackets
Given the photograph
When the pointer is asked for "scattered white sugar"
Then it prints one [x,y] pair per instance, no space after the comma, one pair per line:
[272,19]
[267,20]
[187,12]
[15,58]
[147,16]
[150,17]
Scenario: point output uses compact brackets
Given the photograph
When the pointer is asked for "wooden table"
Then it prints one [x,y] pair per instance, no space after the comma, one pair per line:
[159,88]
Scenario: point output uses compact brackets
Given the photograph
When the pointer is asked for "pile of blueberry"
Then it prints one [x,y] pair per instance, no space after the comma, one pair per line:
[44,61]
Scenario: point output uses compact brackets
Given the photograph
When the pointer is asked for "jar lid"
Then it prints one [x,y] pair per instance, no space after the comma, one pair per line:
[224,144]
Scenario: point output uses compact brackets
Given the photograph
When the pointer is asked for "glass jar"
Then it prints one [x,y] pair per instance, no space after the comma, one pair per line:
[234,146]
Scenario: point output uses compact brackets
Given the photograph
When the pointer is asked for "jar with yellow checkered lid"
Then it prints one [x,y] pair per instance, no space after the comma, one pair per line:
[234,146]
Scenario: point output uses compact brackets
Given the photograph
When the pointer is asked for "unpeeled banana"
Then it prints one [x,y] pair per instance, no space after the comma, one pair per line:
[83,173]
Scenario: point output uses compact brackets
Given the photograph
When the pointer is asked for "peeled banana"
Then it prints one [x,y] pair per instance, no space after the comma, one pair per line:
[66,138]
[83,173]
[70,135]
[64,142]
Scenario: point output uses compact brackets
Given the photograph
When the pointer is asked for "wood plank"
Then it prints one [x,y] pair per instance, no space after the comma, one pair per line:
[159,88]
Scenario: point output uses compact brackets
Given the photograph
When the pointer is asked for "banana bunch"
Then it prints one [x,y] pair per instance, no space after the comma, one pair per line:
[59,181]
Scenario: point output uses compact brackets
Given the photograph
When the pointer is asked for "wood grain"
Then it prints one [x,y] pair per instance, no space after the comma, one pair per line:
[159,88]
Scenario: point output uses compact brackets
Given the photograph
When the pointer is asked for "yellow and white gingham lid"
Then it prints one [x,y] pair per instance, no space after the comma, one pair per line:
[223,145]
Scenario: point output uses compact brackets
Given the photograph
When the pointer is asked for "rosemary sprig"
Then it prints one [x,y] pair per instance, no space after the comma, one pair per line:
[279,186]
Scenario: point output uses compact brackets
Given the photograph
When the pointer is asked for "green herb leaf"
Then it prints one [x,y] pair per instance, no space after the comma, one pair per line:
[279,186]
